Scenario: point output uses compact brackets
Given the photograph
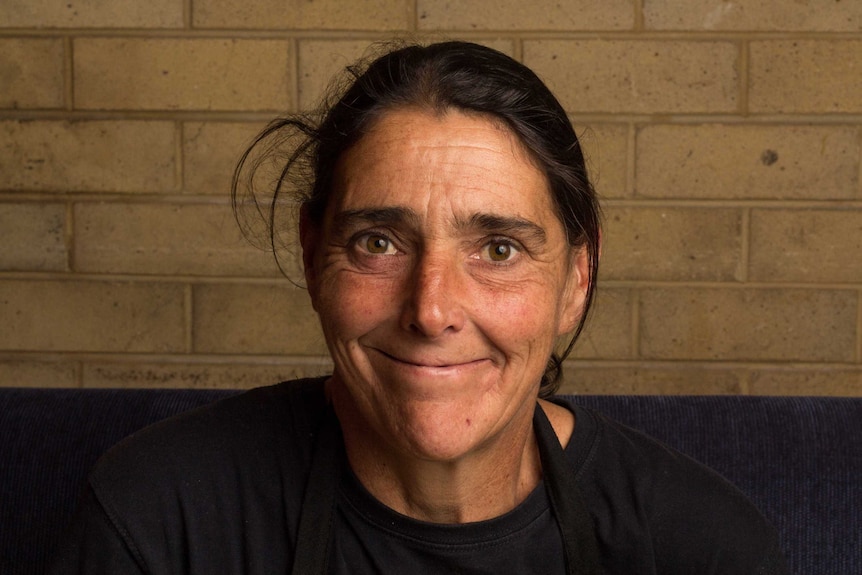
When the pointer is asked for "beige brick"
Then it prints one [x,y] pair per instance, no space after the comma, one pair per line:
[806,245]
[748,324]
[103,156]
[376,15]
[33,237]
[805,76]
[608,332]
[91,316]
[324,62]
[187,74]
[20,373]
[517,15]
[605,147]
[649,380]
[210,153]
[809,16]
[742,162]
[621,76]
[697,244]
[91,14]
[256,319]
[31,72]
[839,381]
[200,375]
[167,239]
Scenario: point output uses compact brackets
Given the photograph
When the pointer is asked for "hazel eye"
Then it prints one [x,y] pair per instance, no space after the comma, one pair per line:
[377,244]
[499,251]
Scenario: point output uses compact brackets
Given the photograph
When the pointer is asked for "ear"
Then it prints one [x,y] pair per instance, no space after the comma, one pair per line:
[575,293]
[309,235]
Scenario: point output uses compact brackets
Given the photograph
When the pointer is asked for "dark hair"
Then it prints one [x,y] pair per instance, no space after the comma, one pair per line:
[449,75]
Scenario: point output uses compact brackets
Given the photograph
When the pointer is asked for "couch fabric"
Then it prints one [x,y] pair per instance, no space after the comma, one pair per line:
[798,458]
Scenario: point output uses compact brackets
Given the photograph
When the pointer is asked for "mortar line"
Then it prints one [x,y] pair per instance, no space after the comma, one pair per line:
[188,302]
[745,381]
[766,365]
[179,156]
[744,77]
[745,246]
[294,62]
[216,358]
[276,280]
[518,48]
[353,34]
[681,119]
[69,236]
[175,358]
[859,327]
[737,203]
[635,324]
[631,161]
[859,164]
[413,17]
[68,74]
[638,16]
[79,373]
[188,9]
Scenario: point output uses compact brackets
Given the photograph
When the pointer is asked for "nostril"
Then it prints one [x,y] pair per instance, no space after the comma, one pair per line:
[433,307]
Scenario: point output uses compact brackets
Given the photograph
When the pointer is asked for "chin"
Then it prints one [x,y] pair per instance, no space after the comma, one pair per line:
[444,431]
[440,437]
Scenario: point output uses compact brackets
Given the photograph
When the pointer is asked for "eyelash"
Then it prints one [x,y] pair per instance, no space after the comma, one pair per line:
[513,247]
[359,242]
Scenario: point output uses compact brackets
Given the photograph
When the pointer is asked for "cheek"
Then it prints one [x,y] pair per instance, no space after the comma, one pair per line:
[351,305]
[525,313]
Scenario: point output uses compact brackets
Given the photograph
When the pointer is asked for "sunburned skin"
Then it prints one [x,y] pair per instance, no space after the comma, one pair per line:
[442,278]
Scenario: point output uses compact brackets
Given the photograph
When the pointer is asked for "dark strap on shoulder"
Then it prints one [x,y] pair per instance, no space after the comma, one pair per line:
[567,502]
[314,536]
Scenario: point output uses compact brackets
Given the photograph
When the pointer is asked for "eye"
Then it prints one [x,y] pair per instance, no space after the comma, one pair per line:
[499,251]
[376,244]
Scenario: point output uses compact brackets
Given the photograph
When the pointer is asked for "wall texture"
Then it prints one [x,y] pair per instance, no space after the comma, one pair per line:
[725,137]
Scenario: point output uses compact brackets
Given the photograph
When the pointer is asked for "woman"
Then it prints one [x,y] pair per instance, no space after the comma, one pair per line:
[450,240]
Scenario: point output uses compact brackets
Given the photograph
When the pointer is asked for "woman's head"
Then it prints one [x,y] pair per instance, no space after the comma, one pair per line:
[453,77]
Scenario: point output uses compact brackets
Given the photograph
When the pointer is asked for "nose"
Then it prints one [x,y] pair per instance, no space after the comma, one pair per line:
[434,299]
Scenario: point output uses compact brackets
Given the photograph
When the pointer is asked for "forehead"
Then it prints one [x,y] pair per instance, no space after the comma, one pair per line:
[454,161]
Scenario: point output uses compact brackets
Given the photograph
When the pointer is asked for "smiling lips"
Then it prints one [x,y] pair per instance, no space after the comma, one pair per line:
[430,363]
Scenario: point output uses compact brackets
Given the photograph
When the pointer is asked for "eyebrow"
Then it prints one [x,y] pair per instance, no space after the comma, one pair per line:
[487,223]
[506,225]
[376,216]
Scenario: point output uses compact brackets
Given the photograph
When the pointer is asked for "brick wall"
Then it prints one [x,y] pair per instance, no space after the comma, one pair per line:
[725,138]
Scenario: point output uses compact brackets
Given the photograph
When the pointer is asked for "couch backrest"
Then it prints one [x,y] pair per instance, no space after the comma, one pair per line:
[799,459]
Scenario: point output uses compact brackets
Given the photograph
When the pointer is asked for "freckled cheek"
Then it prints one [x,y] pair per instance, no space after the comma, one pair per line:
[522,315]
[350,309]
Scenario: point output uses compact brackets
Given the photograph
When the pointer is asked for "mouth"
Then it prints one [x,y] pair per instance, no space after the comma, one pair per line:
[429,362]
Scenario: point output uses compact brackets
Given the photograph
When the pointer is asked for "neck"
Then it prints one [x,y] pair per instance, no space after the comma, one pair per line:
[474,489]
[489,482]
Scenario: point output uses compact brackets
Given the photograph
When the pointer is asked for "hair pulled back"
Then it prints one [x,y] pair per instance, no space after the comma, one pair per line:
[450,75]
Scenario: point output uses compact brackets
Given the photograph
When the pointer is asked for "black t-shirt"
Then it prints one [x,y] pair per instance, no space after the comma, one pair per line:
[219,490]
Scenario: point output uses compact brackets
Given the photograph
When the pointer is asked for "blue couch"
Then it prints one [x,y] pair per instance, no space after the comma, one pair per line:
[799,459]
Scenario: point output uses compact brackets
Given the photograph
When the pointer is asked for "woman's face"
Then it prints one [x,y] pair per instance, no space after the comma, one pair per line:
[442,277]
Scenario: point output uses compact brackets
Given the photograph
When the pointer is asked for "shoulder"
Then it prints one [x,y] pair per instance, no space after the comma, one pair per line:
[687,516]
[208,488]
[203,479]
[252,423]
